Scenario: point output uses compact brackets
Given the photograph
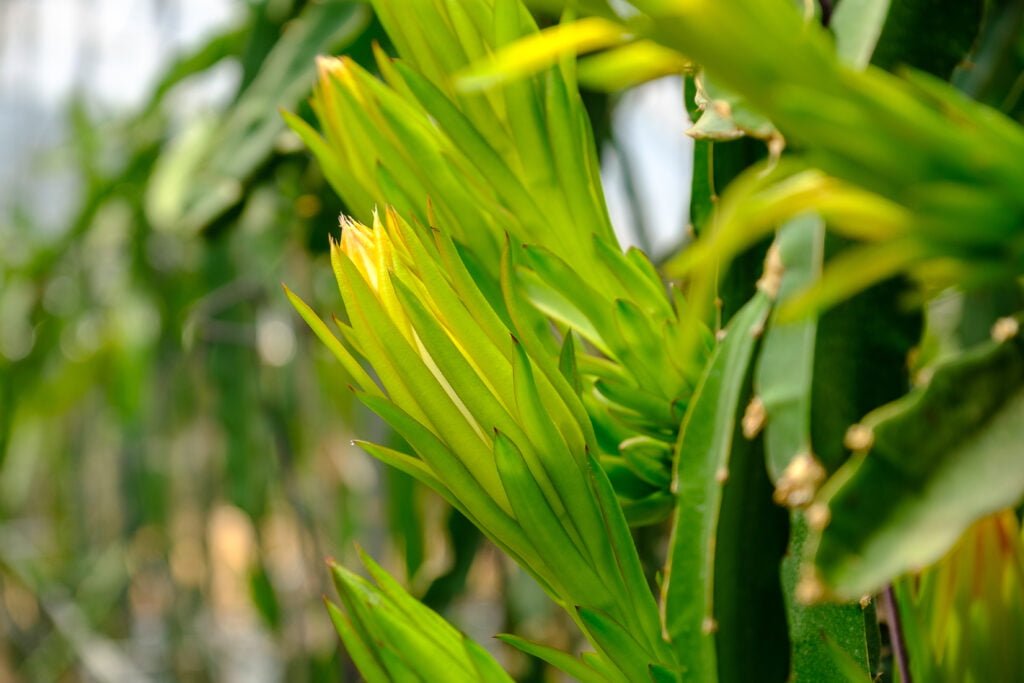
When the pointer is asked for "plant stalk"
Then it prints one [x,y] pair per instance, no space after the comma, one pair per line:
[826,12]
[899,646]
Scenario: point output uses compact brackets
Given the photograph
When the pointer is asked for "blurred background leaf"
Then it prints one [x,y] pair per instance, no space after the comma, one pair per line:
[175,458]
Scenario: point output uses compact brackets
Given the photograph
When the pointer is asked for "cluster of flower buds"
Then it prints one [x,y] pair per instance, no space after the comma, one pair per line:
[516,165]
[496,430]
[391,636]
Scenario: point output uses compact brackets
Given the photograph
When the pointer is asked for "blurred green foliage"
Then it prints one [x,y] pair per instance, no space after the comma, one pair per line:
[164,515]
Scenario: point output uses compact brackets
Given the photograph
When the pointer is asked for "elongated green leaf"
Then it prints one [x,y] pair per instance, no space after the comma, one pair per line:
[484,306]
[486,668]
[491,516]
[639,347]
[545,530]
[620,647]
[656,409]
[563,461]
[476,148]
[320,329]
[644,610]
[599,663]
[939,459]
[471,25]
[531,330]
[421,36]
[370,139]
[578,296]
[453,295]
[544,463]
[468,387]
[572,152]
[421,152]
[563,661]
[554,304]
[398,670]
[360,652]
[567,364]
[412,466]
[627,483]
[523,101]
[702,471]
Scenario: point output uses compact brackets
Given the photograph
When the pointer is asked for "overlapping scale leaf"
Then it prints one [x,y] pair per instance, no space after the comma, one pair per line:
[639,386]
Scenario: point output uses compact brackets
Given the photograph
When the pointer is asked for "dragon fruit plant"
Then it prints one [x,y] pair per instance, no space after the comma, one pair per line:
[817,403]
